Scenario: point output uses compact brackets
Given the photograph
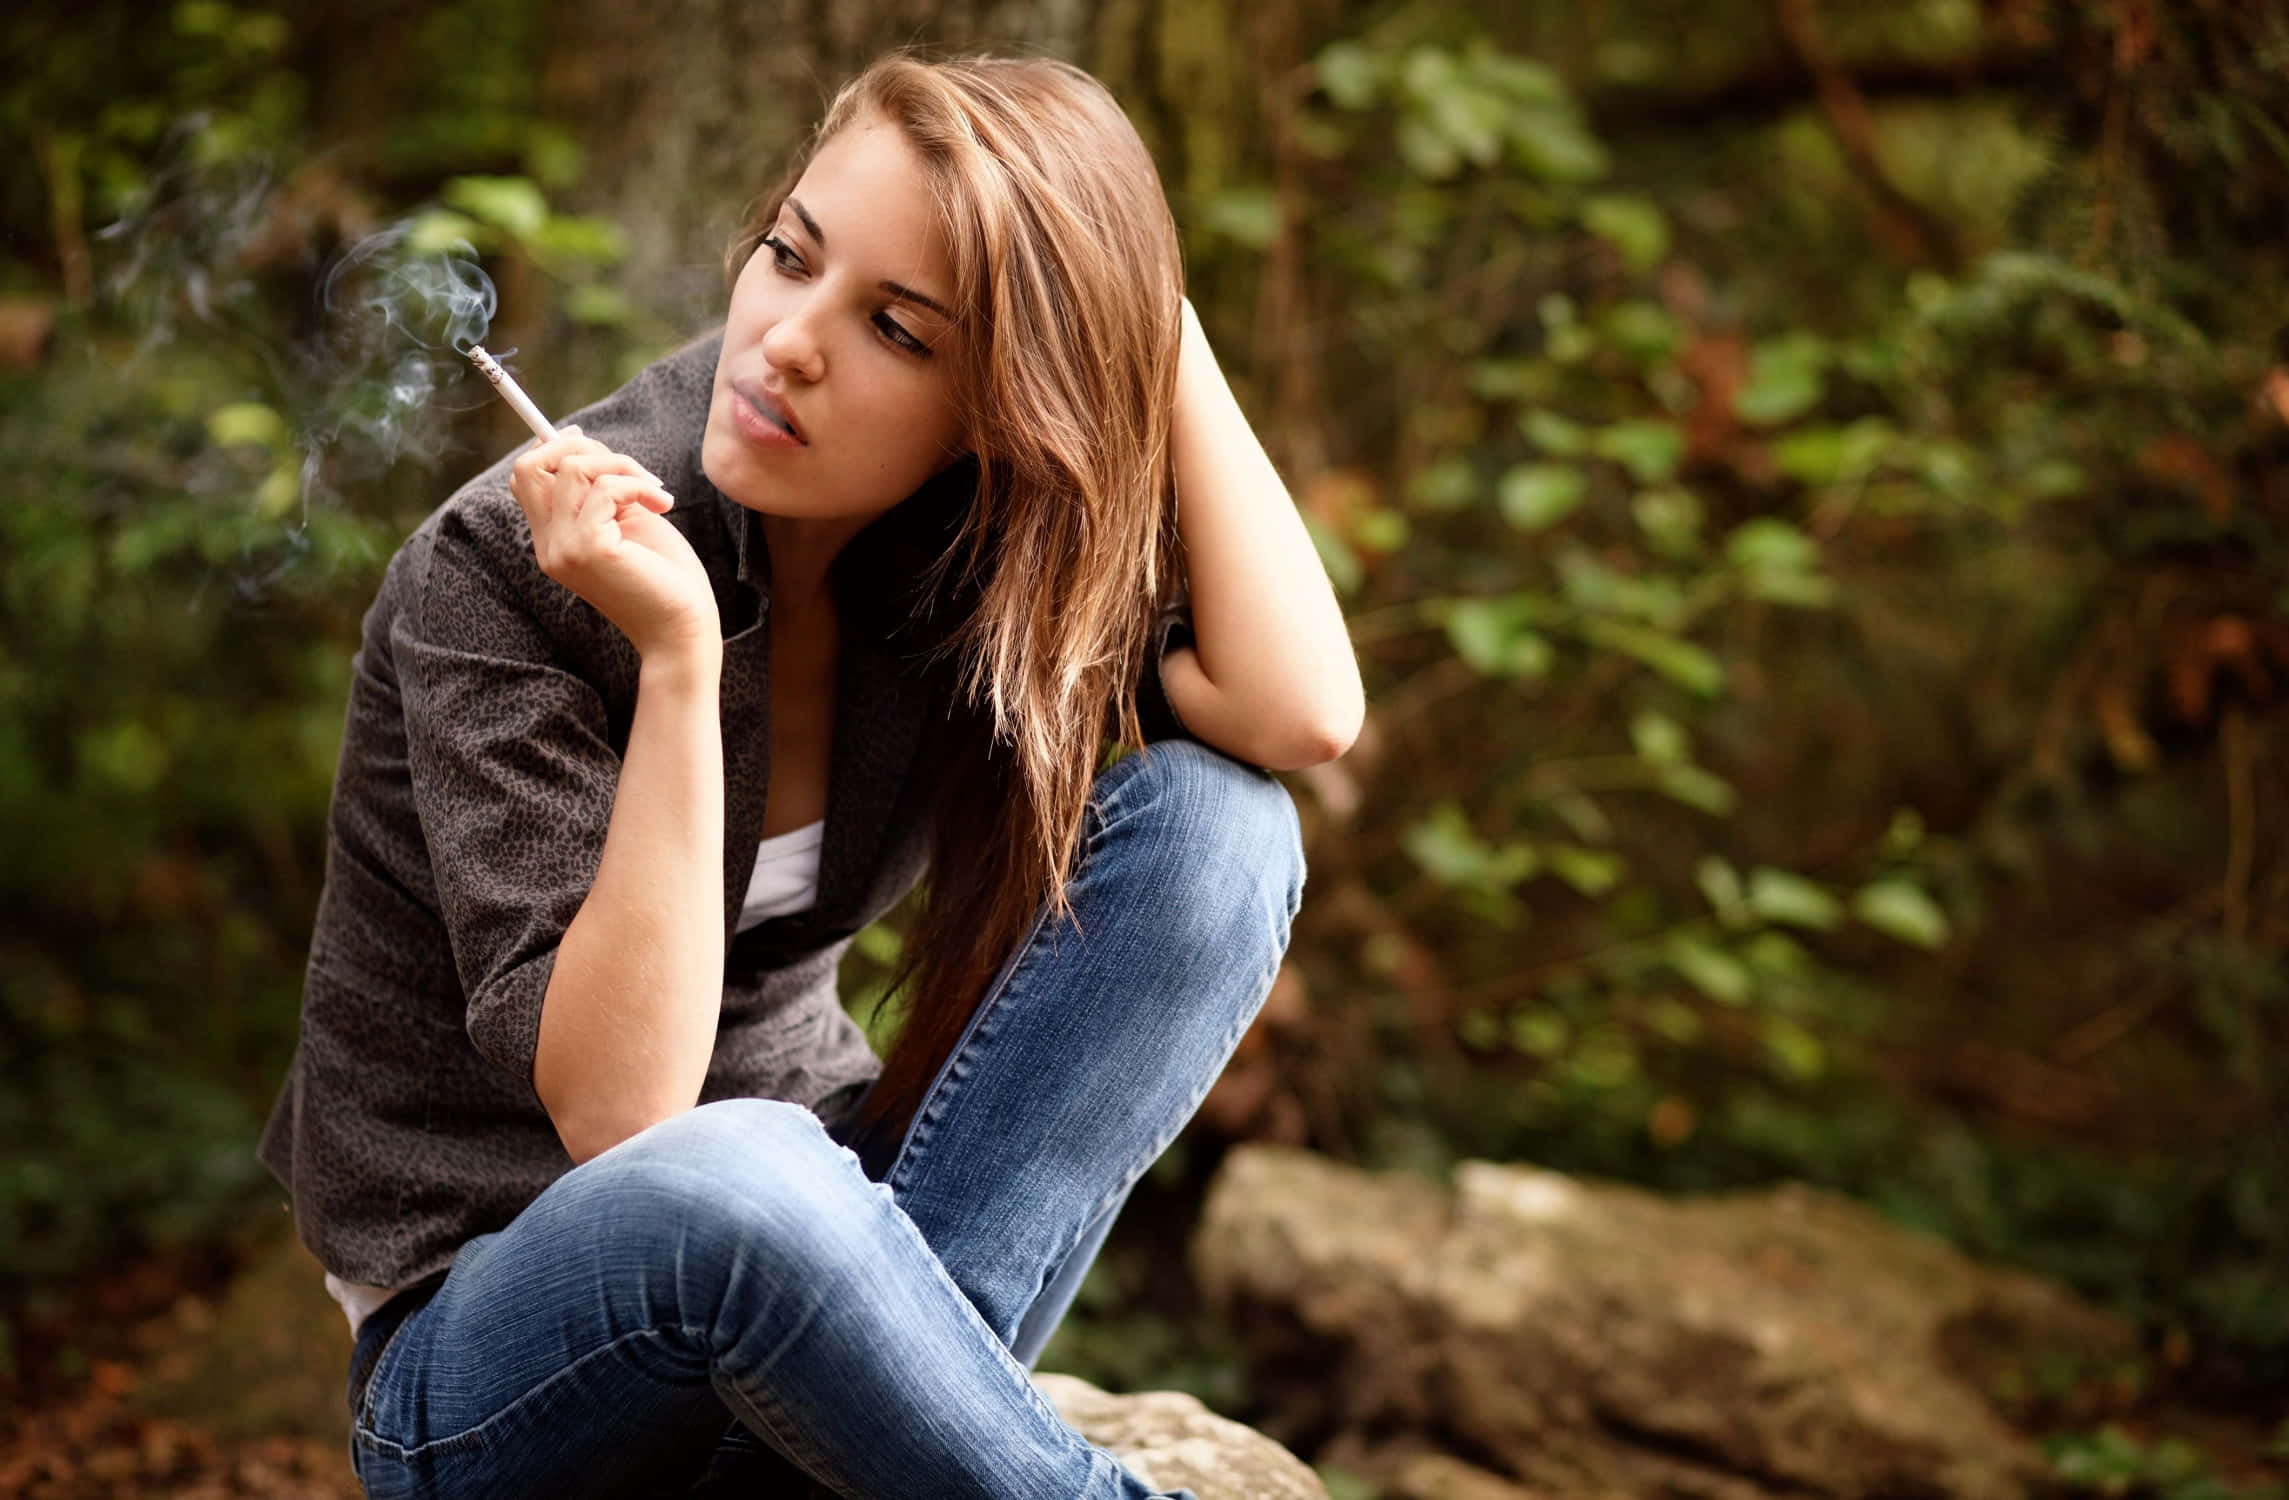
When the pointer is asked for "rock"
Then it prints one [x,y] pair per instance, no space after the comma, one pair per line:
[1570,1337]
[1171,1441]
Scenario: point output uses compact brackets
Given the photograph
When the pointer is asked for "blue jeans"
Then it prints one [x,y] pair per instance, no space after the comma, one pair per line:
[731,1300]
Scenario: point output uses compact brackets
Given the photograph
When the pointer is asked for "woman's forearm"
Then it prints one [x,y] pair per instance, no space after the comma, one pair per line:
[628,1023]
[1272,679]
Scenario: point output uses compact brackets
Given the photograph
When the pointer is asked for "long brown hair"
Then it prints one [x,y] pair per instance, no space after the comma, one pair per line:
[1068,282]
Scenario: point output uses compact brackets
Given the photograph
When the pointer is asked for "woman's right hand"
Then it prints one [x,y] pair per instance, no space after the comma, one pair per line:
[597,529]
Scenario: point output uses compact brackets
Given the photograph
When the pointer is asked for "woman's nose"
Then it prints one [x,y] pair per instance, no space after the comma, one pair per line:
[793,345]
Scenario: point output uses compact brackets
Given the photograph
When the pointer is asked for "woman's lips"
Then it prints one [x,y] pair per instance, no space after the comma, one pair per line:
[764,419]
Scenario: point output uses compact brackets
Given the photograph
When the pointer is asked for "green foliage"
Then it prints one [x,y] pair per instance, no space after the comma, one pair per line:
[1674,448]
[2111,1462]
[198,504]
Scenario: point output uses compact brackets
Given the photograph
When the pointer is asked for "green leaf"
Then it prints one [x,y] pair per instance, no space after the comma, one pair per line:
[511,203]
[248,422]
[1698,788]
[125,757]
[2054,478]
[1779,896]
[1549,144]
[1479,1030]
[1522,79]
[440,231]
[259,35]
[1649,448]
[1709,969]
[1501,379]
[1901,910]
[1539,1033]
[1248,216]
[1536,496]
[1776,955]
[1796,1051]
[280,488]
[553,156]
[1779,562]
[1472,119]
[1671,520]
[1449,484]
[1606,1058]
[1497,637]
[1552,433]
[1631,224]
[1642,329]
[579,240]
[1658,739]
[202,18]
[1590,586]
[1834,455]
[1445,846]
[1769,544]
[1592,872]
[1784,379]
[1580,812]
[1679,660]
[1382,529]
[1427,151]
[1675,1021]
[1721,884]
[598,304]
[1352,75]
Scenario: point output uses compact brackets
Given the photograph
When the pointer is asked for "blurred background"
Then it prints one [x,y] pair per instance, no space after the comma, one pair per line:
[1809,482]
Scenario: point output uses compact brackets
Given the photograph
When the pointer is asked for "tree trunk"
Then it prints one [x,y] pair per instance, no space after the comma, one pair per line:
[689,112]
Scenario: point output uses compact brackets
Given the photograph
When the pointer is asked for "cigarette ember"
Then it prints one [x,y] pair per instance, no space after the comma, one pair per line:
[512,392]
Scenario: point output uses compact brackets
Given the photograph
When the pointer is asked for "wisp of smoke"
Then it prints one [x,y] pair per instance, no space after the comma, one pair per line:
[373,383]
[397,320]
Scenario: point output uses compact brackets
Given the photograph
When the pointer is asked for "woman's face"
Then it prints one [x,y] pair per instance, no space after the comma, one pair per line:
[840,329]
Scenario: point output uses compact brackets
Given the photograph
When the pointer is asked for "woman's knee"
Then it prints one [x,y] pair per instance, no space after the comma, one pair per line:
[1225,832]
[727,1182]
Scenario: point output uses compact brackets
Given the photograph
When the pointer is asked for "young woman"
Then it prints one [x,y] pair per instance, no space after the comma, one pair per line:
[651,719]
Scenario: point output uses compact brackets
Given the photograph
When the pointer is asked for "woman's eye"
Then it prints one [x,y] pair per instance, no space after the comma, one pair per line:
[784,258]
[899,336]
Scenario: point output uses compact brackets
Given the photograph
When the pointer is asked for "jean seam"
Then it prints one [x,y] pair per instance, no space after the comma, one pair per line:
[475,1437]
[940,1092]
[935,1098]
[901,1224]
[1137,1165]
[800,1454]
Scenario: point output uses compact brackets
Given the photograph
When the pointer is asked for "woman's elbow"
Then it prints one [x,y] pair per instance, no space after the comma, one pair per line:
[1315,740]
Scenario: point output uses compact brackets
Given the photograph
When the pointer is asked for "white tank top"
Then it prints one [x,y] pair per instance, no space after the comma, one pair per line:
[786,879]
[786,875]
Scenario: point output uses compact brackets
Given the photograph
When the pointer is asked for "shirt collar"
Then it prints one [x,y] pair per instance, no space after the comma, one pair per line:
[881,575]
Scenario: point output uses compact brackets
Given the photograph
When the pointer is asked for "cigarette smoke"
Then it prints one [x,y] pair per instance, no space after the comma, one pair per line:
[372,373]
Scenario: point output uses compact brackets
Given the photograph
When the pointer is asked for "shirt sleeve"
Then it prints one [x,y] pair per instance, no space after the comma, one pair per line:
[1156,716]
[513,769]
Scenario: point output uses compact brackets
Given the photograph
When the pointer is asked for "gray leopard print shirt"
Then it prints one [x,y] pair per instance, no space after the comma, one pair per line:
[488,711]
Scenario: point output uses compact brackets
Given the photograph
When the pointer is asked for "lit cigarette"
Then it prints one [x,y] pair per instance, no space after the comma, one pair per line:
[512,392]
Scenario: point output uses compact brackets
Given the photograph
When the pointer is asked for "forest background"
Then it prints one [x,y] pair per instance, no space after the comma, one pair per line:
[1807,482]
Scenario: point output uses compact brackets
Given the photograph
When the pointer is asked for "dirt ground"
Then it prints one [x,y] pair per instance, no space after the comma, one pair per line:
[185,1380]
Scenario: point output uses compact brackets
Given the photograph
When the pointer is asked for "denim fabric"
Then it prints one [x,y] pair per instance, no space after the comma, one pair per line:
[735,1298]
